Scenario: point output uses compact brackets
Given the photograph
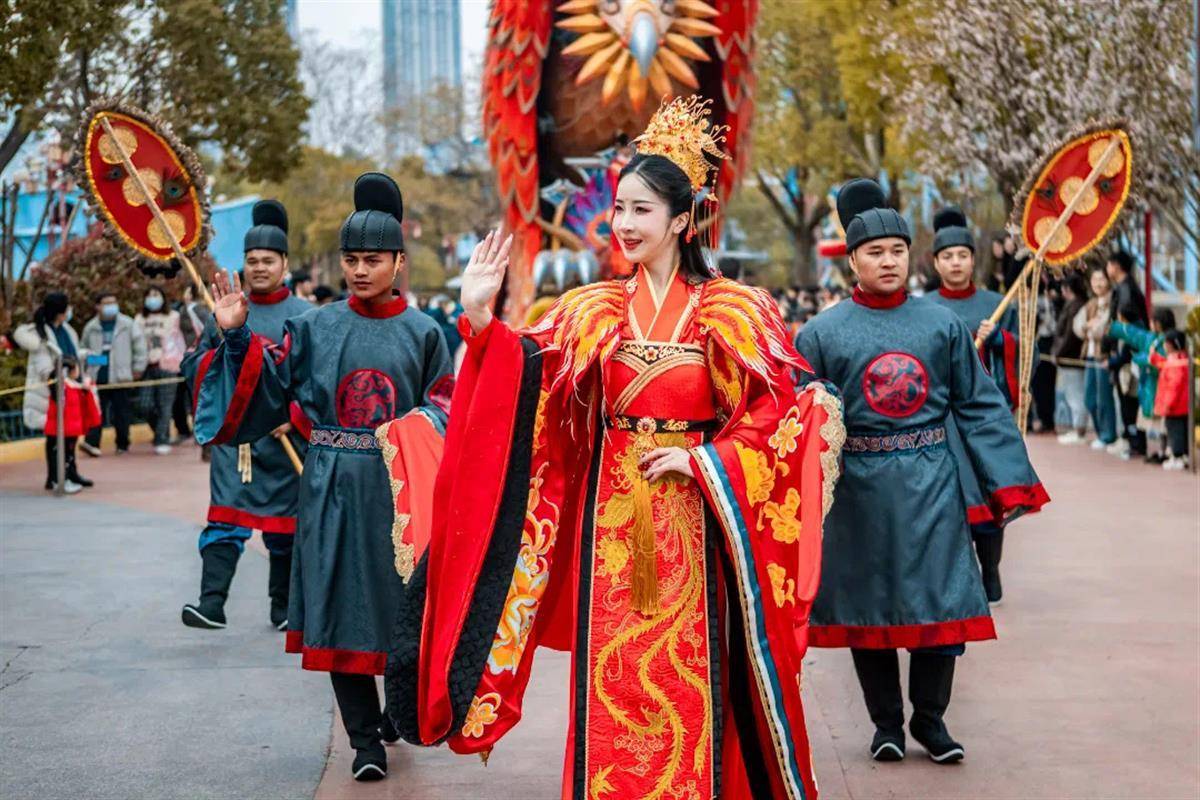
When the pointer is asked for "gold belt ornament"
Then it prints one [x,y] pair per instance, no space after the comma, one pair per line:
[651,425]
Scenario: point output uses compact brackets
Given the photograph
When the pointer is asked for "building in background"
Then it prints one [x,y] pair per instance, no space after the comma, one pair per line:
[291,17]
[421,49]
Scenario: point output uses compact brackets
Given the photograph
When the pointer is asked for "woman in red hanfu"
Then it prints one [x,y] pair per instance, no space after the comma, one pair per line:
[635,479]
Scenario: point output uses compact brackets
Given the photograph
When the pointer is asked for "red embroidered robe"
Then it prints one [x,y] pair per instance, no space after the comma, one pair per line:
[684,602]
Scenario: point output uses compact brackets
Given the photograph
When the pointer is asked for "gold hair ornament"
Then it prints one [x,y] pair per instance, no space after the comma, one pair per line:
[681,132]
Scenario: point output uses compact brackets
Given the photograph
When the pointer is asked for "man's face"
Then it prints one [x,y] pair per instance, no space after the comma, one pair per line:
[1114,271]
[263,270]
[956,266]
[370,274]
[881,265]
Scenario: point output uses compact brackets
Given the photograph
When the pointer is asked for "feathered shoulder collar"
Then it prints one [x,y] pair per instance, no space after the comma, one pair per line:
[582,326]
[744,321]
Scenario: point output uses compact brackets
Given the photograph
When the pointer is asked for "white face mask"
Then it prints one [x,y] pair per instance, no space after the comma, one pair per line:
[154,303]
[109,310]
[70,313]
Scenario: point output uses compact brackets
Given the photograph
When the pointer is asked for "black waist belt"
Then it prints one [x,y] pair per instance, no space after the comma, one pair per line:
[653,425]
[917,439]
[343,439]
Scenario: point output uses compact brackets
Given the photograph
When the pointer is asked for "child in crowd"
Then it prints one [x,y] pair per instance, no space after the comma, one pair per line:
[1144,342]
[1171,400]
[81,413]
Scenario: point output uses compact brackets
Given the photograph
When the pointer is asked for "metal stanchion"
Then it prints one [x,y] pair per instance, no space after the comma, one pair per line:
[60,455]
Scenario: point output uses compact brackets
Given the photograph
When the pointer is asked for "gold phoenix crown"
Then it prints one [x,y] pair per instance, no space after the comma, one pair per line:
[681,131]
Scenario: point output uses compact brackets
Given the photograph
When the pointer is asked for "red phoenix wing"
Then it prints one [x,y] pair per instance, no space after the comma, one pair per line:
[735,48]
[512,79]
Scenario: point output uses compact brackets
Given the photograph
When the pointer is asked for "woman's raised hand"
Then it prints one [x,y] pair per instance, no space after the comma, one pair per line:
[229,304]
[482,278]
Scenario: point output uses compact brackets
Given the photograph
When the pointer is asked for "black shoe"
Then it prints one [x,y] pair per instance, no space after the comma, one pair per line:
[387,731]
[82,481]
[278,583]
[930,682]
[220,562]
[933,736]
[370,764]
[195,616]
[888,745]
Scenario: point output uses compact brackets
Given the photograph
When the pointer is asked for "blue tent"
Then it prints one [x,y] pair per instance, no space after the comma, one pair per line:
[230,221]
[30,208]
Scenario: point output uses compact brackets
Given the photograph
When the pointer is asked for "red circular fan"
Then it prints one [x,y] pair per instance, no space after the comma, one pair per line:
[168,169]
[1061,178]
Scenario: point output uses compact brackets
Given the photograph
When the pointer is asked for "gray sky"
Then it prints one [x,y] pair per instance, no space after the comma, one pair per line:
[343,22]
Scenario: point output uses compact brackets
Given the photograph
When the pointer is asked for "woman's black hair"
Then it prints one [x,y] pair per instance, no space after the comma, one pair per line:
[156,287]
[1177,340]
[53,304]
[1165,318]
[668,181]
[1078,286]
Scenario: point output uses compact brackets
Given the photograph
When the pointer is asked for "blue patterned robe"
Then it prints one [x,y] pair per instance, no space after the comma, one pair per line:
[351,367]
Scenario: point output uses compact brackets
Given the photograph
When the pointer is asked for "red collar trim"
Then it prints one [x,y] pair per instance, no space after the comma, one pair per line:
[391,308]
[957,294]
[270,298]
[880,300]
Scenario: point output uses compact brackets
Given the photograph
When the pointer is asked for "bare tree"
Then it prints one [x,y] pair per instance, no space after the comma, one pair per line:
[343,84]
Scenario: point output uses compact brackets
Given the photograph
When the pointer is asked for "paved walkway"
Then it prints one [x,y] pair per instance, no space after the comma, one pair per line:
[1092,691]
[103,693]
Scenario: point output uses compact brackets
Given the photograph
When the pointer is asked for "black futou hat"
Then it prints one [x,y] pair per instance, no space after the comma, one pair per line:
[270,231]
[950,230]
[378,210]
[863,212]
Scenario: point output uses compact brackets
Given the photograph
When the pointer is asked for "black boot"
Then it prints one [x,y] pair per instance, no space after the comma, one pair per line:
[358,702]
[387,731]
[220,562]
[930,678]
[72,468]
[989,546]
[277,587]
[879,675]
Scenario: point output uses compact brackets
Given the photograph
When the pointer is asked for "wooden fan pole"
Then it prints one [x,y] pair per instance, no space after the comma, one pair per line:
[1113,145]
[201,288]
[193,273]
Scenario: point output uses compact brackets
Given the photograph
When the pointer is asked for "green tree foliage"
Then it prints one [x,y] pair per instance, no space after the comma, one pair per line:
[820,117]
[318,195]
[220,71]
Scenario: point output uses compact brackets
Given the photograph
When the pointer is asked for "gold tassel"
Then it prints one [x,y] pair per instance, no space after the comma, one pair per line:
[645,559]
[245,464]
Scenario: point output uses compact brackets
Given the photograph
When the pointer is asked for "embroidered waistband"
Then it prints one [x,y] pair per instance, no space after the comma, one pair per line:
[343,439]
[891,442]
[652,425]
